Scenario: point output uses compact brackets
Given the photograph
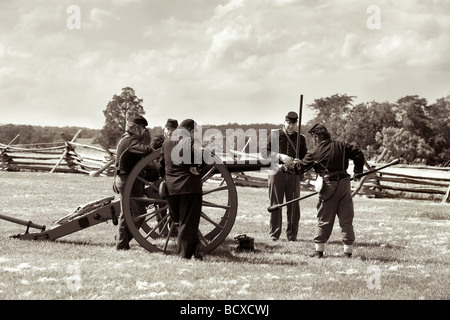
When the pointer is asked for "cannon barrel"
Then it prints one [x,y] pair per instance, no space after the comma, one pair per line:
[243,161]
[245,166]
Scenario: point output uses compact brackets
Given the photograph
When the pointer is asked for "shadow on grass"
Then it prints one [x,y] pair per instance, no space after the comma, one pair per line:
[379,251]
[85,243]
[359,244]
[382,252]
[375,244]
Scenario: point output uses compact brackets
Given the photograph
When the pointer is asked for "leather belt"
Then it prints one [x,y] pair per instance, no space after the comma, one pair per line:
[336,176]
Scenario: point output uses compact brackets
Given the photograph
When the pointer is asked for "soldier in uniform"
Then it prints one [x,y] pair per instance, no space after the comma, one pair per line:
[330,159]
[282,185]
[184,188]
[132,147]
[153,170]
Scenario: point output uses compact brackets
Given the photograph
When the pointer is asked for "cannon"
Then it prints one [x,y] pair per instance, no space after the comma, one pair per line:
[155,230]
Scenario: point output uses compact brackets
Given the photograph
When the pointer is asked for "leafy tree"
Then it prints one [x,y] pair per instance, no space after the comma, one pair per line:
[409,128]
[429,123]
[330,106]
[333,111]
[439,112]
[119,110]
[400,143]
[413,111]
[364,121]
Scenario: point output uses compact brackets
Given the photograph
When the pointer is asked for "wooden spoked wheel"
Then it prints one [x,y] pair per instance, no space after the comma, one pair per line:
[154,228]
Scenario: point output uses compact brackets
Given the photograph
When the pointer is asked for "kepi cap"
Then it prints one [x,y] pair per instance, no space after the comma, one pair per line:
[188,124]
[292,116]
[318,128]
[140,120]
[172,123]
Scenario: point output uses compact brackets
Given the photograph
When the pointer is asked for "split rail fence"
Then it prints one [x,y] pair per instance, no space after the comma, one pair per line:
[403,181]
[68,157]
[407,181]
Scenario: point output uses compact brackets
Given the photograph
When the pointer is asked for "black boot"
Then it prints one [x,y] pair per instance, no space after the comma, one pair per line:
[317,255]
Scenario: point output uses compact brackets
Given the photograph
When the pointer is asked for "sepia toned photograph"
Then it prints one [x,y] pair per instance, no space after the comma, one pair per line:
[225,157]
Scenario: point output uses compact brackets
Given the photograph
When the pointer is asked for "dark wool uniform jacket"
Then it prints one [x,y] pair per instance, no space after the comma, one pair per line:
[285,146]
[130,150]
[178,177]
[333,155]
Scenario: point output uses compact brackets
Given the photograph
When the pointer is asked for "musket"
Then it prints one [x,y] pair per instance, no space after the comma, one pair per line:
[278,206]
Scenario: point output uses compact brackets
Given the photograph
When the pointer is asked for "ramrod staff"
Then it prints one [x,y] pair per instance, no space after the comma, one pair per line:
[299,127]
[298,138]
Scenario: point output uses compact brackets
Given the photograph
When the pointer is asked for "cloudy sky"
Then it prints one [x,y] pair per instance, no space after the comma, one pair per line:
[217,61]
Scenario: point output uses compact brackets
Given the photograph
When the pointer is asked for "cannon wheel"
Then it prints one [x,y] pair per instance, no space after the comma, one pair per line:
[155,230]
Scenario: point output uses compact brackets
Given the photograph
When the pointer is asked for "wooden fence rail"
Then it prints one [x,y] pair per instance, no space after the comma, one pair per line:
[397,181]
[73,157]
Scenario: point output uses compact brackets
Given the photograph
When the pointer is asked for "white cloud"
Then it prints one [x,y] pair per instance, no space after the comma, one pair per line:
[37,19]
[231,45]
[100,17]
[350,46]
[9,52]
[222,10]
[283,2]
[121,3]
[88,60]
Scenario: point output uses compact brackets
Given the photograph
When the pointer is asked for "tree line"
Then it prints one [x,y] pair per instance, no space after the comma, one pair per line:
[410,128]
[37,135]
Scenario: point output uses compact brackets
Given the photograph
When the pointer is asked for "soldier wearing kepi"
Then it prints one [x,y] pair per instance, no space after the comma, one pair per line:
[170,127]
[132,147]
[330,159]
[184,188]
[283,185]
[157,142]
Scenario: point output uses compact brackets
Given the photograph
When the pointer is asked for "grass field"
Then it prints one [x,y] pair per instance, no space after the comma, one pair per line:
[401,252]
